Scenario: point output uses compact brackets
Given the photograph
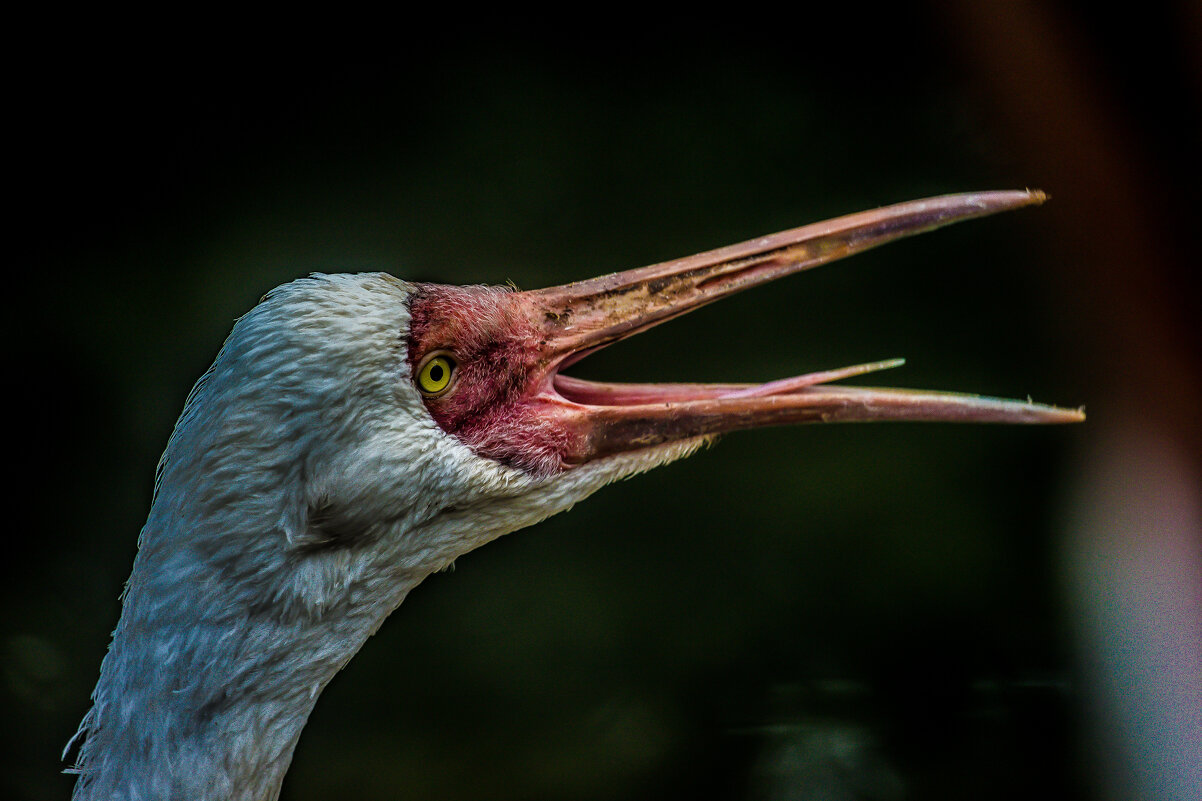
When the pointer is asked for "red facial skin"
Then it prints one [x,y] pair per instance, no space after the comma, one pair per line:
[493,404]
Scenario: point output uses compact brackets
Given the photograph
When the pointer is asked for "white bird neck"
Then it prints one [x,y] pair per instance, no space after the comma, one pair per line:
[208,709]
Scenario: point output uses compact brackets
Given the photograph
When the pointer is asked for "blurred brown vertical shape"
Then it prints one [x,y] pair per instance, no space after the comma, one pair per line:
[1192,36]
[1132,532]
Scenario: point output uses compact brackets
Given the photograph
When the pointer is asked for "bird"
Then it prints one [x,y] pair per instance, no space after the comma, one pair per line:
[358,432]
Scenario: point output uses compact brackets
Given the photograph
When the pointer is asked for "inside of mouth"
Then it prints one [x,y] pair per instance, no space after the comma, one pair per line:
[598,393]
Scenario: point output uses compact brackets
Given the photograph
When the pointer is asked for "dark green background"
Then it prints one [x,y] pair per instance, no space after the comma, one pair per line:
[867,611]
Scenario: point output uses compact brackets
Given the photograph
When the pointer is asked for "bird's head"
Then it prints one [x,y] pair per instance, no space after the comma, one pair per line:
[360,414]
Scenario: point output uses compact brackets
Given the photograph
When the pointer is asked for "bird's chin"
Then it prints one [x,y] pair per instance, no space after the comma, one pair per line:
[618,466]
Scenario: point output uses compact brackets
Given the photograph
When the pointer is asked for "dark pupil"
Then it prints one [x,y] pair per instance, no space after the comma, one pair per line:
[436,373]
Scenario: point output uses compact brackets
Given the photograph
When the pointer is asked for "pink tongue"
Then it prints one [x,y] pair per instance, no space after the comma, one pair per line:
[596,393]
[787,385]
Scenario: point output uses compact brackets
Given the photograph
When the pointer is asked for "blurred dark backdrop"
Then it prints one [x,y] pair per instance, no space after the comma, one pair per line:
[877,612]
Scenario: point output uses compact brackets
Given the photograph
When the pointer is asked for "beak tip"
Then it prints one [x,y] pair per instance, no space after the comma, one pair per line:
[1058,414]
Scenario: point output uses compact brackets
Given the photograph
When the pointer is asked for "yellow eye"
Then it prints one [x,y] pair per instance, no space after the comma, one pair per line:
[434,375]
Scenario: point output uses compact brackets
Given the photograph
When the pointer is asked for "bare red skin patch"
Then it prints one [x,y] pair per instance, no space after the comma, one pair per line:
[495,405]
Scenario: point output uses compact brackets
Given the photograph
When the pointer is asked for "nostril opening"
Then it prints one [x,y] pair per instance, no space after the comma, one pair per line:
[755,269]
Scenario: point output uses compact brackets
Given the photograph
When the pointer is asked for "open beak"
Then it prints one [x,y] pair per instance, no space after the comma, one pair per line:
[579,318]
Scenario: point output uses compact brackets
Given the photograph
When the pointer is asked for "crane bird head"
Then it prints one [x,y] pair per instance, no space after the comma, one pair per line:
[358,432]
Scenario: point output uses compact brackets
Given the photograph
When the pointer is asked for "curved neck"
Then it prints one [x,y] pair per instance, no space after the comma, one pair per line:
[217,718]
[203,697]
